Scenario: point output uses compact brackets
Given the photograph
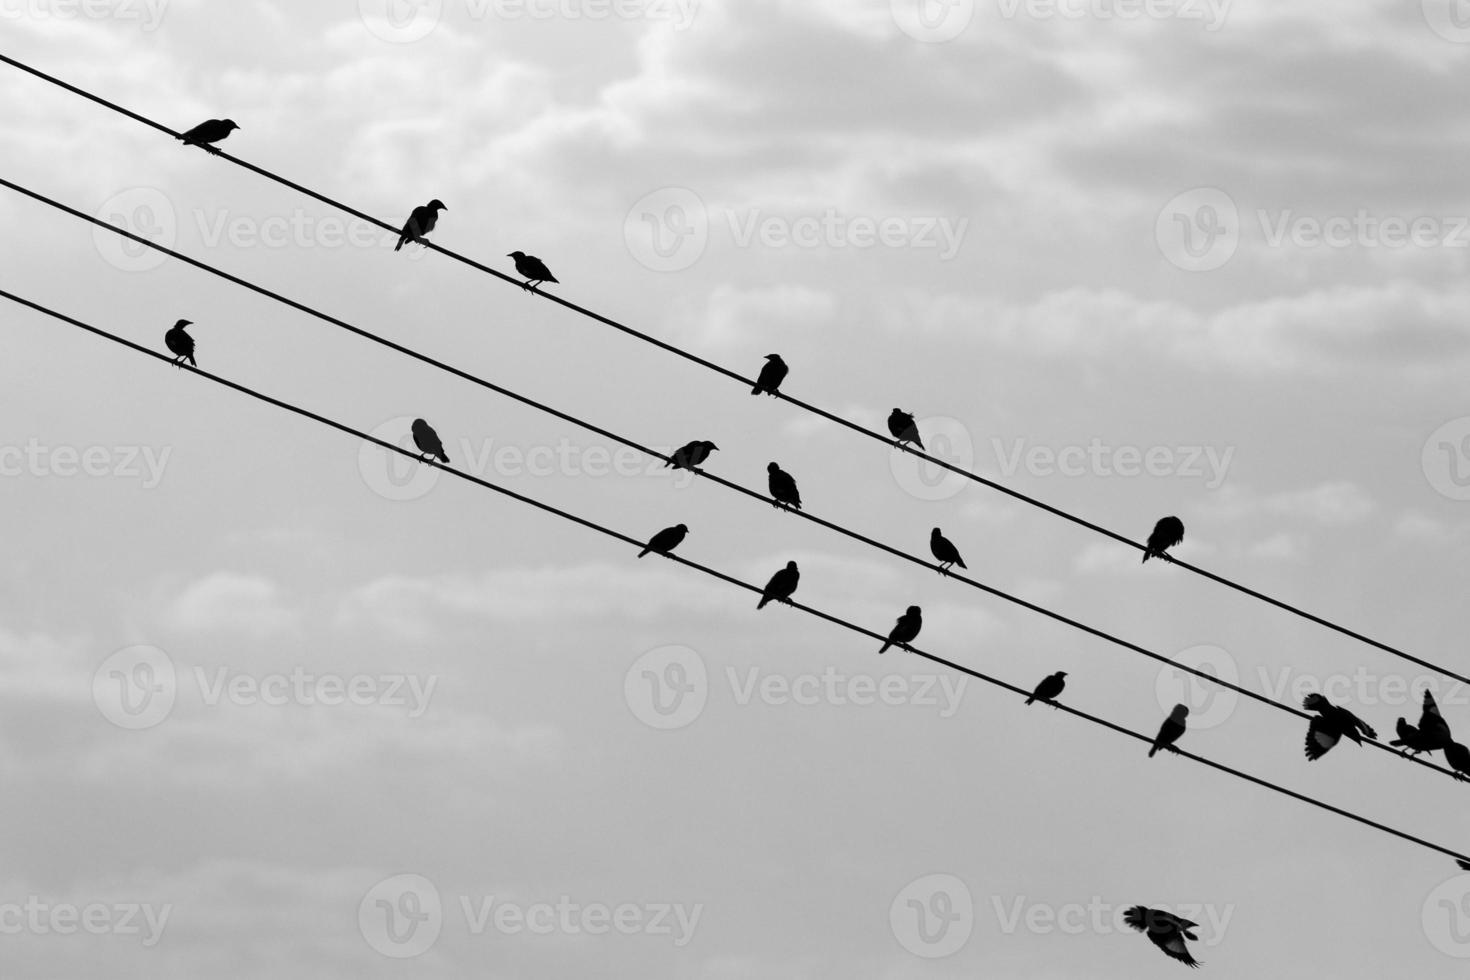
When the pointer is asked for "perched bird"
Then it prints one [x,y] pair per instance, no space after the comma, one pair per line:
[690,455]
[180,343]
[1331,724]
[1459,759]
[773,372]
[1050,688]
[1433,732]
[783,487]
[905,629]
[420,222]
[1167,533]
[532,268]
[207,132]
[904,429]
[665,541]
[1168,932]
[781,585]
[1170,730]
[945,551]
[428,442]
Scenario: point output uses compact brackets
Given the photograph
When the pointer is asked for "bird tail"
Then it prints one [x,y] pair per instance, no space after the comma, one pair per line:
[1030,699]
[644,552]
[756,390]
[961,562]
[1146,556]
[443,456]
[192,362]
[886,646]
[1153,750]
[401,240]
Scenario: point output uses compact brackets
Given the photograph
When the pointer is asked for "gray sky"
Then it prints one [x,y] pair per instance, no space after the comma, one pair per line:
[1182,257]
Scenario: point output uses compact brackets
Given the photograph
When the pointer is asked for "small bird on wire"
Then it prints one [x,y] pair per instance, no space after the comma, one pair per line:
[904,429]
[420,222]
[1168,532]
[1170,730]
[773,372]
[1432,732]
[905,629]
[533,269]
[207,132]
[944,551]
[665,541]
[781,585]
[428,442]
[783,487]
[180,344]
[690,455]
[1166,931]
[1050,688]
[1330,724]
[1459,759]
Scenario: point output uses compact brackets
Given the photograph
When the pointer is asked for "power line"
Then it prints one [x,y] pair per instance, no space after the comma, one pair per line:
[728,484]
[715,573]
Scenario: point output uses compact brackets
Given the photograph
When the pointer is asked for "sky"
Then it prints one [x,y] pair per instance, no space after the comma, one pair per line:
[276,704]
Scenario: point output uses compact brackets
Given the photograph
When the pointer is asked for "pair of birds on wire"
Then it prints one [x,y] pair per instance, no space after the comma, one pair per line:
[425,218]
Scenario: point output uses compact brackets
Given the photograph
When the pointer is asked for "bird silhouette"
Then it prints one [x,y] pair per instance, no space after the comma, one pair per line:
[905,629]
[428,442]
[1170,730]
[1459,759]
[944,551]
[1050,688]
[207,132]
[1330,724]
[666,540]
[180,343]
[773,372]
[783,487]
[1168,532]
[533,269]
[1166,931]
[904,429]
[781,585]
[420,222]
[690,455]
[1432,732]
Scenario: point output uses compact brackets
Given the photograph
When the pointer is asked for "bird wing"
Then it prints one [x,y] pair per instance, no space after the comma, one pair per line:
[1432,726]
[1172,945]
[1322,735]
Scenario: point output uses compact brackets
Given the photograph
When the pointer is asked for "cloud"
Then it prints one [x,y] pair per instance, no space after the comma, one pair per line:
[231,602]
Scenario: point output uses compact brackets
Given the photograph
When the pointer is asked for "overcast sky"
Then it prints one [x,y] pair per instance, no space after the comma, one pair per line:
[277,705]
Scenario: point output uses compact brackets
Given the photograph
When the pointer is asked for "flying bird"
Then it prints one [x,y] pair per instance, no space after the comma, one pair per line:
[180,344]
[428,442]
[945,551]
[781,585]
[1431,734]
[1167,533]
[904,429]
[207,132]
[1330,724]
[1459,759]
[1050,688]
[666,540]
[1170,730]
[690,455]
[533,269]
[773,372]
[420,222]
[783,487]
[1168,932]
[905,629]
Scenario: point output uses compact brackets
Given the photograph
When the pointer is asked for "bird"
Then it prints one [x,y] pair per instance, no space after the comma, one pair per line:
[773,372]
[1168,532]
[666,540]
[904,429]
[781,585]
[1050,688]
[1432,733]
[420,222]
[690,455]
[428,442]
[905,629]
[1170,730]
[783,487]
[1330,724]
[1459,759]
[945,551]
[207,132]
[1166,931]
[532,268]
[180,343]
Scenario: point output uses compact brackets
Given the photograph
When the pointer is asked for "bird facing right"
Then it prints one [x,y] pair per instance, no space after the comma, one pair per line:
[773,372]
[665,541]
[1166,931]
[905,629]
[420,222]
[1050,688]
[178,341]
[781,586]
[1168,532]
[428,441]
[1170,730]
[207,132]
